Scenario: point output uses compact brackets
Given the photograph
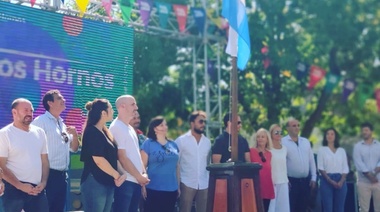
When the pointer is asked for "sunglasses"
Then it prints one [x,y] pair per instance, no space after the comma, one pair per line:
[202,121]
[263,159]
[167,150]
[278,132]
[65,137]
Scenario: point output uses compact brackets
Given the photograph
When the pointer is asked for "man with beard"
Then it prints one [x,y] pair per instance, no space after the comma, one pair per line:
[221,150]
[135,123]
[194,156]
[367,161]
[24,160]
[61,139]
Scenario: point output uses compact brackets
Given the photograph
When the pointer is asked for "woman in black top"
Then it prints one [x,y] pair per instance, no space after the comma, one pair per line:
[99,154]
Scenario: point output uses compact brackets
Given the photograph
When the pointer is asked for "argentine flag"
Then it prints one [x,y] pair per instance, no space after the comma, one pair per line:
[239,44]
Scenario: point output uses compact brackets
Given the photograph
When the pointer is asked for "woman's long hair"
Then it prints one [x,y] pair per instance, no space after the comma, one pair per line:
[336,140]
[153,124]
[95,109]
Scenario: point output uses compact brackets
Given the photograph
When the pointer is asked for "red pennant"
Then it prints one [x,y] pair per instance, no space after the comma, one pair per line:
[181,14]
[316,75]
[32,2]
[377,96]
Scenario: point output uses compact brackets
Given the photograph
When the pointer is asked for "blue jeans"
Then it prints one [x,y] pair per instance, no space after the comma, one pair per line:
[16,200]
[127,197]
[333,198]
[96,197]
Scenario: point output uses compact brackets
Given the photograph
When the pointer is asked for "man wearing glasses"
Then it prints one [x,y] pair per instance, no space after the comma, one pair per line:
[194,156]
[300,165]
[61,139]
[221,150]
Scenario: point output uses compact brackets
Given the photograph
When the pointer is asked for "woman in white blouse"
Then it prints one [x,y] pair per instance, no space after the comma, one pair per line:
[333,166]
[280,203]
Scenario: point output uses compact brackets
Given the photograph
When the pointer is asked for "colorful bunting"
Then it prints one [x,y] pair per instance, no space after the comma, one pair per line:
[82,5]
[181,14]
[145,9]
[349,86]
[216,19]
[199,15]
[316,75]
[164,10]
[32,2]
[301,69]
[331,81]
[126,9]
[107,4]
[377,97]
[364,92]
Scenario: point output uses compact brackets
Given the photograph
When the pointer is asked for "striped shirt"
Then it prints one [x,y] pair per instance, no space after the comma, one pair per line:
[59,151]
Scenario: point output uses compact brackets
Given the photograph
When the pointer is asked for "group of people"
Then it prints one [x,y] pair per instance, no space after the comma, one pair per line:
[125,170]
[35,154]
[289,169]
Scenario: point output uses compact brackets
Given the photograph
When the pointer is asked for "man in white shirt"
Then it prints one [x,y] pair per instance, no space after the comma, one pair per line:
[128,195]
[300,166]
[61,139]
[367,162]
[24,161]
[194,156]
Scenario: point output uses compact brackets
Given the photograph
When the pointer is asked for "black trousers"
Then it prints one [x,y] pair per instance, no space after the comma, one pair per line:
[56,190]
[160,201]
[299,194]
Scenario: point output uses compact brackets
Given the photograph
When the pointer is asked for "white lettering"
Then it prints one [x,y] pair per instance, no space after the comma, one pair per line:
[37,70]
[97,83]
[59,75]
[86,76]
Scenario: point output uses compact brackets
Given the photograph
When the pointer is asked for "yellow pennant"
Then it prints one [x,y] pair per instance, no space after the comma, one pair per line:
[82,5]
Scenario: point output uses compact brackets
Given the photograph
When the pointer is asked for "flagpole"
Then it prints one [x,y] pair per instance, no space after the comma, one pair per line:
[234,110]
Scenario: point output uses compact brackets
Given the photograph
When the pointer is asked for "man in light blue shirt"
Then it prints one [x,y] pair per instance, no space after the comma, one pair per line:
[367,161]
[300,166]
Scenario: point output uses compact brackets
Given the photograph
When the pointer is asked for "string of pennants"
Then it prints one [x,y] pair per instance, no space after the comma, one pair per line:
[363,91]
[164,10]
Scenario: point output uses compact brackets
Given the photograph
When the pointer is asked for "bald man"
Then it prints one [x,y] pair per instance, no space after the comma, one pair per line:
[128,195]
[302,173]
[24,161]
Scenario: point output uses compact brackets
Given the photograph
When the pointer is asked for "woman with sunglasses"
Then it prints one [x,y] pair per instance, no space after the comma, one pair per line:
[160,157]
[333,166]
[279,173]
[260,154]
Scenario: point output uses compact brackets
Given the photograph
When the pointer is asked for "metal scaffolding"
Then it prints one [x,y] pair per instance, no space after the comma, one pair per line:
[199,43]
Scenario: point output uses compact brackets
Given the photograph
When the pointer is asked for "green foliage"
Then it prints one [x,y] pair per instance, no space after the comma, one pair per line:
[299,30]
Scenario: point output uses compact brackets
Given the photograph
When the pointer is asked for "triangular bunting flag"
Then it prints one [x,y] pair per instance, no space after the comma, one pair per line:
[181,14]
[126,9]
[82,5]
[145,8]
[164,10]
[107,4]
[199,16]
